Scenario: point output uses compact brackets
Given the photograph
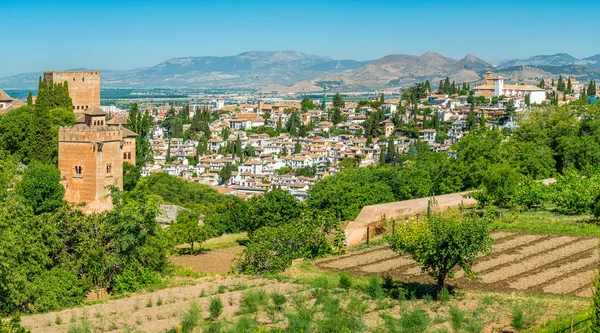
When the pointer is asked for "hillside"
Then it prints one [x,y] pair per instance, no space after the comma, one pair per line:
[403,70]
[291,71]
[559,59]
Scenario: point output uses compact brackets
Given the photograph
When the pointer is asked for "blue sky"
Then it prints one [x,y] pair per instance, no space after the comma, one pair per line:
[109,34]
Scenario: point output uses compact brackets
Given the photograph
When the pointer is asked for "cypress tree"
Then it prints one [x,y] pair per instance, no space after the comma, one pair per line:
[471,118]
[560,86]
[447,86]
[41,137]
[591,91]
[297,147]
[441,88]
[30,99]
[169,151]
[569,86]
[542,84]
[391,150]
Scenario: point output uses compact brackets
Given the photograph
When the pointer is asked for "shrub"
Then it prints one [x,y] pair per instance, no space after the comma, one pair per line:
[374,288]
[345,281]
[416,320]
[300,321]
[278,300]
[272,249]
[191,318]
[457,317]
[215,307]
[574,193]
[252,300]
[245,324]
[335,319]
[517,318]
[13,326]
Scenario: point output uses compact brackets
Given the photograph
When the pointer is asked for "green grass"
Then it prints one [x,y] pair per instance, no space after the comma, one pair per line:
[223,242]
[550,222]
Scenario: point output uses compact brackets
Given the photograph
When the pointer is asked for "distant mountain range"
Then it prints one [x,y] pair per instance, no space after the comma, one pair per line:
[291,71]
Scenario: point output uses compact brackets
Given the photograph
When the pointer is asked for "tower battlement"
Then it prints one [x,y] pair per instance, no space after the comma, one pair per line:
[84,87]
[84,133]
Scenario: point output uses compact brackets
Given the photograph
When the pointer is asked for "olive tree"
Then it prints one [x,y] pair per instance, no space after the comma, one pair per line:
[443,241]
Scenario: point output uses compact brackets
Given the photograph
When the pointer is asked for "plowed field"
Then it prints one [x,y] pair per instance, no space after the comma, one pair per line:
[532,263]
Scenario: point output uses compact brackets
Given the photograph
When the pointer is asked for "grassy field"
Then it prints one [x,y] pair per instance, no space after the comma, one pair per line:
[308,299]
[550,222]
[223,242]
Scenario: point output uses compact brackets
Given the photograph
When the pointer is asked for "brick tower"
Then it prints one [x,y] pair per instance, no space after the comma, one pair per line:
[84,87]
[90,158]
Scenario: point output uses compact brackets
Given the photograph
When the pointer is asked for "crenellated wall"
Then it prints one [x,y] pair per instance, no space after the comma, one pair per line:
[84,87]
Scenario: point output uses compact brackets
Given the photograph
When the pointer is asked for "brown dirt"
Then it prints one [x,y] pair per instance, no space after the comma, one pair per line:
[535,263]
[551,273]
[571,283]
[212,262]
[539,261]
[135,312]
[362,259]
[517,241]
[502,258]
[388,264]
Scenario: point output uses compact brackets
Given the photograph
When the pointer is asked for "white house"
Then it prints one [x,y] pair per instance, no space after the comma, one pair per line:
[428,135]
[495,85]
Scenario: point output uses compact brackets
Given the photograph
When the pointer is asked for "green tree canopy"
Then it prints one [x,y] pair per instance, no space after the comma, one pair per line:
[41,188]
[442,242]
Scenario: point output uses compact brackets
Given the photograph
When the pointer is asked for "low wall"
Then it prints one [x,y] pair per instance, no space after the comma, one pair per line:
[356,231]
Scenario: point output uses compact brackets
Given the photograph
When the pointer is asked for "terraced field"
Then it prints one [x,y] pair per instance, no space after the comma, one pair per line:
[531,263]
[153,312]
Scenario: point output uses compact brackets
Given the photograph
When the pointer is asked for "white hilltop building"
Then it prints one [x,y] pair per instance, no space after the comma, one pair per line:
[494,86]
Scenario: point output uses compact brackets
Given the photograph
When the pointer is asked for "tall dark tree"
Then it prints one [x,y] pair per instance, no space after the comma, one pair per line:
[510,109]
[447,86]
[168,159]
[336,115]
[30,99]
[560,85]
[471,118]
[441,88]
[542,84]
[225,174]
[391,150]
[591,90]
[338,101]
[140,123]
[41,136]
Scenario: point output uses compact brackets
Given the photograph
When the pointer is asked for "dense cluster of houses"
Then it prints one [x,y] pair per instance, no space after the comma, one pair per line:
[275,158]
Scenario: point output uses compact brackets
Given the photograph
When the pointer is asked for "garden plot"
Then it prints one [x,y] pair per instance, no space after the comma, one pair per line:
[532,263]
[153,312]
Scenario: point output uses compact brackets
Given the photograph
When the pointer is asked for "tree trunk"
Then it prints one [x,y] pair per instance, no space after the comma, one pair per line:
[440,285]
[192,247]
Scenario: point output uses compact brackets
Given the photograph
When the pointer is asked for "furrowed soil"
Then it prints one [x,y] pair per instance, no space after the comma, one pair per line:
[526,262]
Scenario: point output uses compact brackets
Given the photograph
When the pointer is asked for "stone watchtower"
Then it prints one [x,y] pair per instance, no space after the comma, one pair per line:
[90,158]
[84,87]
